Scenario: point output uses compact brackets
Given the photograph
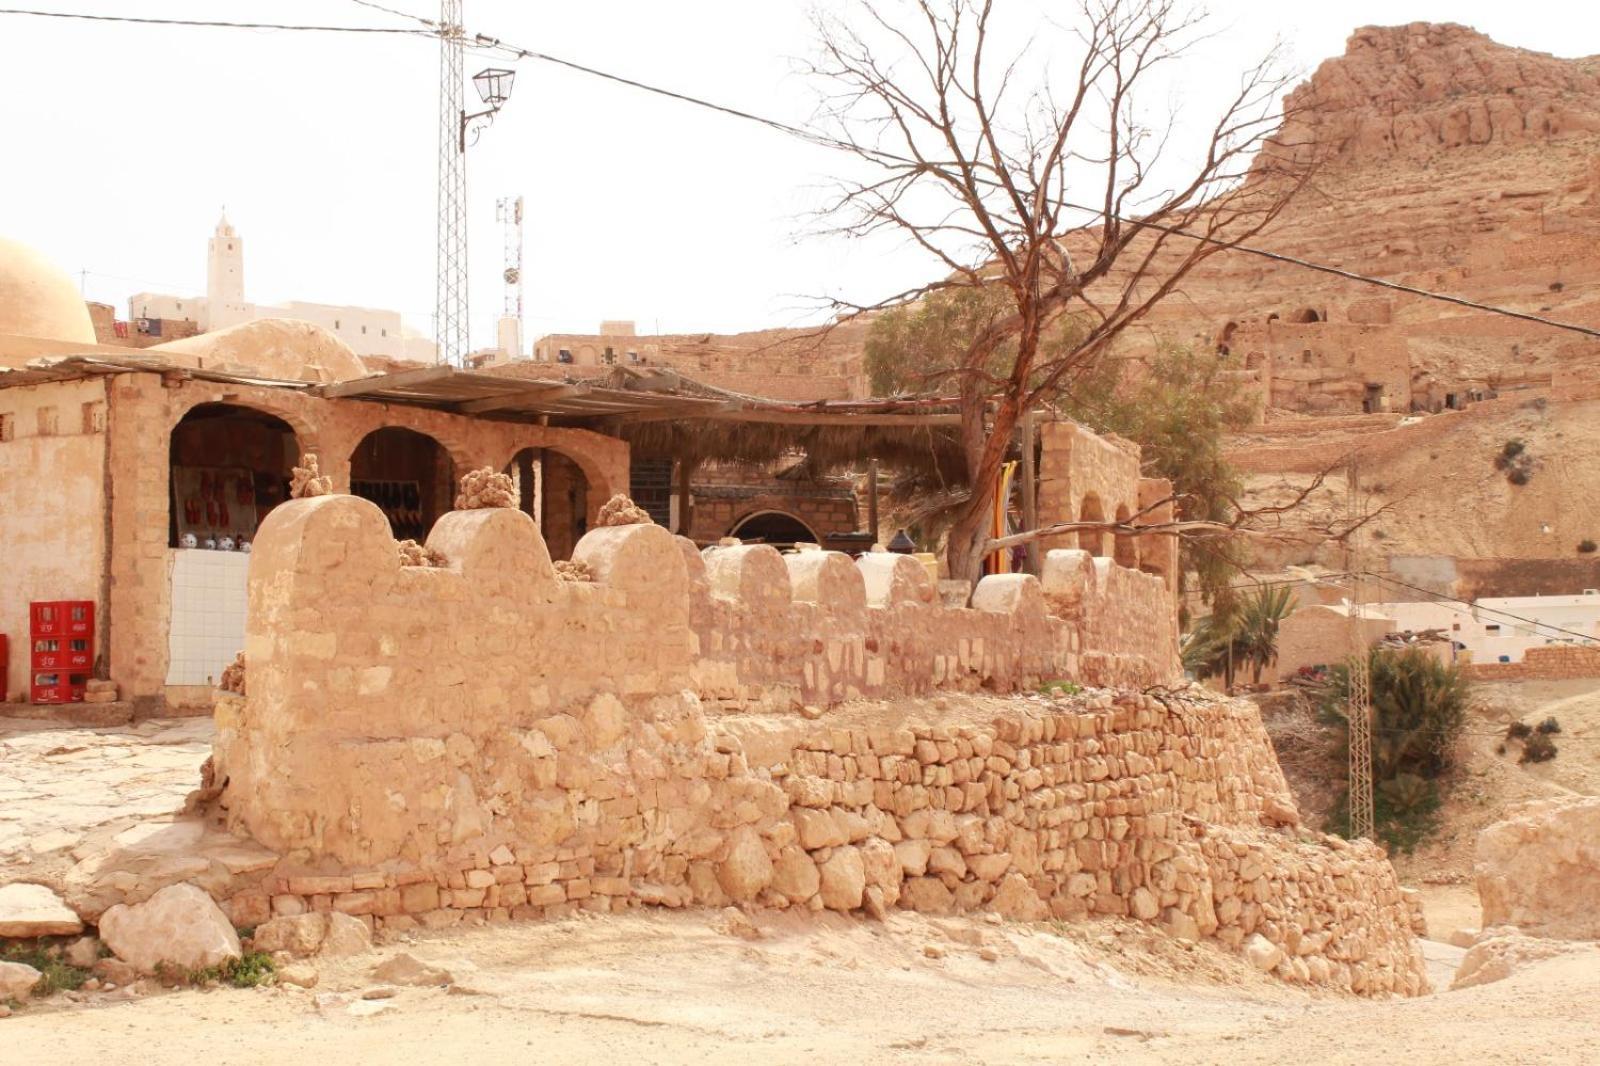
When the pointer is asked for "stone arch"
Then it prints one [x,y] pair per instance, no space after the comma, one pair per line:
[1225,338]
[778,528]
[409,474]
[1307,314]
[571,480]
[230,465]
[1092,510]
[1125,546]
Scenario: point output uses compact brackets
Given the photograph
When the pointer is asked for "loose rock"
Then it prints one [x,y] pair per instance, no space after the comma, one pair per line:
[180,925]
[28,911]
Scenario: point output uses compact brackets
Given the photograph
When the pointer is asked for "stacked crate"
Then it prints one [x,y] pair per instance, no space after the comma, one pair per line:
[62,633]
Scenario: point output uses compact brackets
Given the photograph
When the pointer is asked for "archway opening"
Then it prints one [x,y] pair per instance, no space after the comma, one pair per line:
[775,528]
[230,467]
[563,495]
[409,475]
[1092,540]
[1306,314]
[1125,547]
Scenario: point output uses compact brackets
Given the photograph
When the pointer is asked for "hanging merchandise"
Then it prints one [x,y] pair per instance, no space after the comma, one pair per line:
[401,504]
[215,505]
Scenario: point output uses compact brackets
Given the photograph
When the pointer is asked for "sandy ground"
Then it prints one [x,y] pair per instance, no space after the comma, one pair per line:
[672,988]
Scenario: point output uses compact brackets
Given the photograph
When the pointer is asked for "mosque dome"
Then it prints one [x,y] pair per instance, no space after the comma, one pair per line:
[38,299]
[280,348]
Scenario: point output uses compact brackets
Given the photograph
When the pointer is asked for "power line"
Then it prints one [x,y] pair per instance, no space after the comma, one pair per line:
[211,23]
[830,142]
[393,11]
[1440,598]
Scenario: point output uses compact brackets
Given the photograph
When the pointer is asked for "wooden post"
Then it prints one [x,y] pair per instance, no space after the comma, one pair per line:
[1030,497]
[872,499]
[686,467]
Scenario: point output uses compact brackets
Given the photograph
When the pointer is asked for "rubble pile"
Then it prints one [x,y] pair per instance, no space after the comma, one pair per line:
[414,554]
[573,570]
[233,675]
[621,511]
[485,488]
[307,480]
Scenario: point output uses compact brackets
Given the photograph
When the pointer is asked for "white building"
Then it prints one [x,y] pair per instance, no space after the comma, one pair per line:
[368,331]
[1502,629]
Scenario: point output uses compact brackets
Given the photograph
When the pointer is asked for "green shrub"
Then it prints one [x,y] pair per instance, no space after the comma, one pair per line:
[1549,725]
[1518,730]
[1538,748]
[54,974]
[1060,688]
[1404,814]
[1513,448]
[1519,476]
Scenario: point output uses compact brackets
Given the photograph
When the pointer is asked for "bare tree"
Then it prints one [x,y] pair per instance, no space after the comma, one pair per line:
[1065,198]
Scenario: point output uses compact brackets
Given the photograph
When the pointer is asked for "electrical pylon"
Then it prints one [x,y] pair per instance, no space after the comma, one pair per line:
[1359,711]
[450,304]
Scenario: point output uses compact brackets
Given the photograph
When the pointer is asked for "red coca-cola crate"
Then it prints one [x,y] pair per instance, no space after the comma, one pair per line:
[51,654]
[50,688]
[61,618]
[5,667]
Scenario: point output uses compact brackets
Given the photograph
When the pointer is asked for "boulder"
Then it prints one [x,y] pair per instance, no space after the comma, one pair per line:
[83,952]
[17,980]
[1496,958]
[346,936]
[299,934]
[28,910]
[747,869]
[795,876]
[1263,954]
[180,925]
[1539,870]
[844,878]
[1017,900]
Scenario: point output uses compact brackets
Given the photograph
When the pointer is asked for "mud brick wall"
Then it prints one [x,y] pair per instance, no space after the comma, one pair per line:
[1553,663]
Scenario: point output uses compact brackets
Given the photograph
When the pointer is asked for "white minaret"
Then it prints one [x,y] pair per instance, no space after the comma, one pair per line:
[225,304]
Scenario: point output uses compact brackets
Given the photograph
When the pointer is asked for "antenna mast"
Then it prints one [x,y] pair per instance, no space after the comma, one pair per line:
[509,213]
[450,305]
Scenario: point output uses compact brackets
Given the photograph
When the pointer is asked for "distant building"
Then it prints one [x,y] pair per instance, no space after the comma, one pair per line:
[368,331]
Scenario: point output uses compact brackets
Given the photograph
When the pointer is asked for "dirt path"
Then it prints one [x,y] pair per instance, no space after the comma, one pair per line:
[669,988]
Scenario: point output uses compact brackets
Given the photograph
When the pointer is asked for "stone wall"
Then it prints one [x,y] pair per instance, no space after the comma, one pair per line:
[144,409]
[1553,662]
[436,746]
[52,507]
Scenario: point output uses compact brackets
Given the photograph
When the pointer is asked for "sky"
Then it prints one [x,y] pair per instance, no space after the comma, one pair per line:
[125,142]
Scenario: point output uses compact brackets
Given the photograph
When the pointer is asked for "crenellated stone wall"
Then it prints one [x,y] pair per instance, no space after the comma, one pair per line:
[429,746]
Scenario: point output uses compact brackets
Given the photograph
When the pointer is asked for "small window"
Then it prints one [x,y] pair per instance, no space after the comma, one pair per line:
[1305,357]
[336,323]
[363,330]
[49,424]
[383,333]
[564,356]
[230,246]
[1456,626]
[1491,629]
[633,357]
[610,356]
[8,428]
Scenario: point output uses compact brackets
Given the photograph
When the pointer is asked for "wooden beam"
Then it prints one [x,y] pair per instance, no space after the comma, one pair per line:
[1030,498]
[400,379]
[686,409]
[823,418]
[872,499]
[520,398]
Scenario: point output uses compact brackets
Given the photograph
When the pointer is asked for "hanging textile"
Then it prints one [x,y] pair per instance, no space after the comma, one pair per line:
[999,562]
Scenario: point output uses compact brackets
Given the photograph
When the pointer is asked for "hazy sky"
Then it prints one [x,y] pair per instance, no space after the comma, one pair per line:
[123,142]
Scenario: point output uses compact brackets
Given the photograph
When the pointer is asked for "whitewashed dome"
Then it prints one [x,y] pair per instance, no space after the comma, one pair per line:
[38,299]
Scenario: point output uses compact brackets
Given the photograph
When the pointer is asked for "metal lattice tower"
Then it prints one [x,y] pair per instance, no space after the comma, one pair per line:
[509,213]
[1359,712]
[450,304]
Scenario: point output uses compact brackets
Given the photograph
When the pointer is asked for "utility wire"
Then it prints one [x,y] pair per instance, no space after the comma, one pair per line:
[890,157]
[215,24]
[483,40]
[393,11]
[1439,598]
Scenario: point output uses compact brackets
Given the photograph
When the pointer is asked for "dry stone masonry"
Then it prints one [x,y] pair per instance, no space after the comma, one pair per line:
[427,746]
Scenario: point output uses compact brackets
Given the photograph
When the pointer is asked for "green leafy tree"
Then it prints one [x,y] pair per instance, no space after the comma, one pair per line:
[1419,707]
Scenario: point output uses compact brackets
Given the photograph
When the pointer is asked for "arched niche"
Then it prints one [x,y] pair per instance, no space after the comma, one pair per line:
[409,475]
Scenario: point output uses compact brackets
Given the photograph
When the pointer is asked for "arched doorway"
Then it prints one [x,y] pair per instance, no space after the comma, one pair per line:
[775,528]
[230,467]
[553,490]
[409,475]
[1125,548]
[1092,541]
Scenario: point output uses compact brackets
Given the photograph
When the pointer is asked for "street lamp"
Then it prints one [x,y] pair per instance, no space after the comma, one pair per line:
[494,89]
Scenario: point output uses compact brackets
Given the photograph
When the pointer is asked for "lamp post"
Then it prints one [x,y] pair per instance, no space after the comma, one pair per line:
[494,89]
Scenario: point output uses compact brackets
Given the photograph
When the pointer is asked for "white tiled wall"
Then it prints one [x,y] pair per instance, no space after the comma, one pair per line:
[208,595]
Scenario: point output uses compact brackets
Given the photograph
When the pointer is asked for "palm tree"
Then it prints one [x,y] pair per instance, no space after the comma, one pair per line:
[1239,631]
